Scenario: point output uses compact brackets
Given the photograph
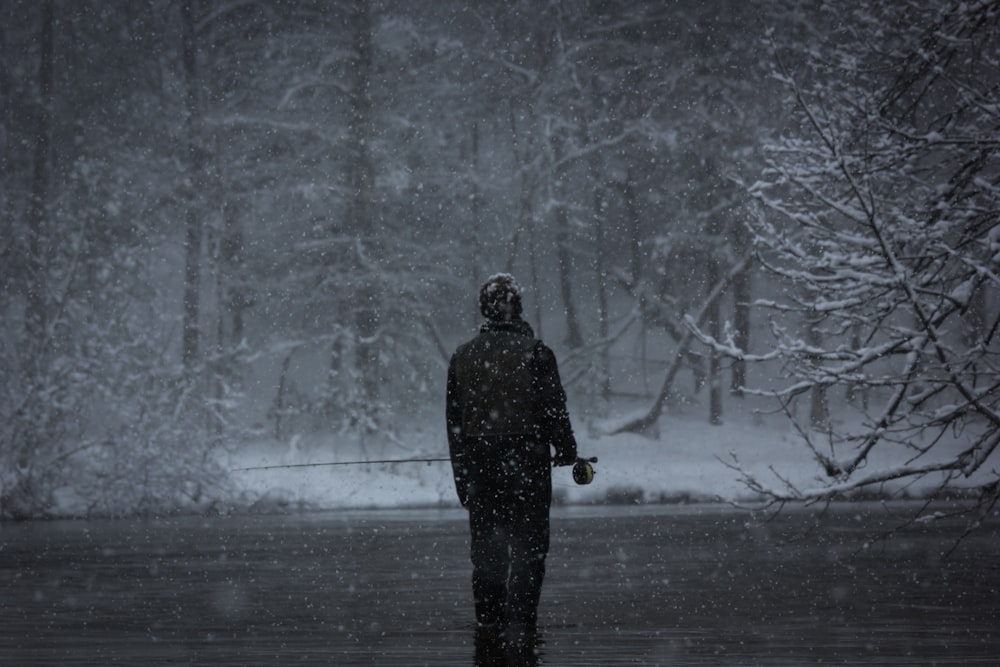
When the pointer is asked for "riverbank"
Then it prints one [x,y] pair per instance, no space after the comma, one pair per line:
[686,460]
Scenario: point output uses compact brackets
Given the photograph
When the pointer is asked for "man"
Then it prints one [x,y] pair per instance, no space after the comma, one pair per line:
[505,408]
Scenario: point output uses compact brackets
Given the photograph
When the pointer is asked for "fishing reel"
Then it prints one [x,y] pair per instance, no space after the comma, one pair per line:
[583,472]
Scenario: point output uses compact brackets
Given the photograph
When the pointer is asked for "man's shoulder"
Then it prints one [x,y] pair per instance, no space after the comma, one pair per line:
[543,351]
[461,350]
[495,340]
[468,347]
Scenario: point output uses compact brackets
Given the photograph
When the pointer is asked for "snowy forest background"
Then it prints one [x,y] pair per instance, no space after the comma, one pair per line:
[236,221]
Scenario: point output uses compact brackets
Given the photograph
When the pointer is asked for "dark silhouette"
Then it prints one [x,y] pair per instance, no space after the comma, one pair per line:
[506,408]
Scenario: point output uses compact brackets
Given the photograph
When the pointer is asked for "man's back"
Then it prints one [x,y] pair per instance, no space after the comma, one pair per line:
[494,381]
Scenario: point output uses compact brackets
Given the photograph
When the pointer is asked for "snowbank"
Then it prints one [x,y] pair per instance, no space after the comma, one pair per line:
[685,461]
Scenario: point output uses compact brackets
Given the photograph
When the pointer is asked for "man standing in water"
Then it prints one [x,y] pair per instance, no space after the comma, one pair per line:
[505,408]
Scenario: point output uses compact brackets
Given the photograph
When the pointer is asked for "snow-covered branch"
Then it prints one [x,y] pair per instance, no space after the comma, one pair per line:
[881,218]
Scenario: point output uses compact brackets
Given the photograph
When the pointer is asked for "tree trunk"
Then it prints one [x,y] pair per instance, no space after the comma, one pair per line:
[714,326]
[600,277]
[232,290]
[35,315]
[574,336]
[742,293]
[475,229]
[819,412]
[192,226]
[28,447]
[533,272]
[362,208]
[633,225]
[856,393]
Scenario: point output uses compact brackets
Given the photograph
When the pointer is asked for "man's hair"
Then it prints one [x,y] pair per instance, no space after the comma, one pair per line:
[500,297]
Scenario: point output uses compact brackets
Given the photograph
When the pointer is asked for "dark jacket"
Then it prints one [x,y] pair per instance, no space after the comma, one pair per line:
[504,389]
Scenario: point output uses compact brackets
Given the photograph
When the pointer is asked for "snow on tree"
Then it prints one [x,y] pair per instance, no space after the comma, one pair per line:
[97,415]
[880,216]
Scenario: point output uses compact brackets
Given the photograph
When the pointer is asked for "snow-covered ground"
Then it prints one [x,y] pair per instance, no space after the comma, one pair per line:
[686,460]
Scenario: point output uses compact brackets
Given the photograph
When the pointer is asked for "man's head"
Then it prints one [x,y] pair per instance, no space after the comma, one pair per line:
[500,297]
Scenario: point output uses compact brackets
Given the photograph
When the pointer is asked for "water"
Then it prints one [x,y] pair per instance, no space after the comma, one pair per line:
[625,586]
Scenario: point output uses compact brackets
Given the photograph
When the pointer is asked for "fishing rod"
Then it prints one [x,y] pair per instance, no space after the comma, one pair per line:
[340,463]
[583,471]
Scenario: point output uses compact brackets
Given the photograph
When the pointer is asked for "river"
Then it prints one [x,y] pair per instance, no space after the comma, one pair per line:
[647,585]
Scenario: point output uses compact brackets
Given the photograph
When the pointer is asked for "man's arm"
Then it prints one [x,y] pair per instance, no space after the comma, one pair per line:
[552,416]
[456,445]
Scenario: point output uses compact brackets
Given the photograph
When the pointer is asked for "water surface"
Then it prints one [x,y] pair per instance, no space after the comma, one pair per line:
[700,585]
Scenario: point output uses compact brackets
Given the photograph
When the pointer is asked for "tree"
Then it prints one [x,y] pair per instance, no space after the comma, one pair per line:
[28,290]
[697,139]
[92,399]
[882,215]
[350,144]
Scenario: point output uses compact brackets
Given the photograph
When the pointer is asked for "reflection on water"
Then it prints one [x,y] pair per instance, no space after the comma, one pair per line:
[625,586]
[507,647]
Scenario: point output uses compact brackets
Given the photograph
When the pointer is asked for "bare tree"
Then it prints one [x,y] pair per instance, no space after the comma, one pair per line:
[884,212]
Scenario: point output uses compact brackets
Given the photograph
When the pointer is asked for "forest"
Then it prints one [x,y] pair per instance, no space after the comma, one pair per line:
[226,220]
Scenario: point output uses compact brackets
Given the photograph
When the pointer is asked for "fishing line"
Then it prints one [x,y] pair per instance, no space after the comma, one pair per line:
[583,470]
